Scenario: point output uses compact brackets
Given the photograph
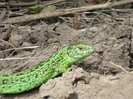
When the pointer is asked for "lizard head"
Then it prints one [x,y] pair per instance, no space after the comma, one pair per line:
[79,50]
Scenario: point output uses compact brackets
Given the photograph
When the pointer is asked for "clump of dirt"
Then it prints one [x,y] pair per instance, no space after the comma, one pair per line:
[64,86]
[78,84]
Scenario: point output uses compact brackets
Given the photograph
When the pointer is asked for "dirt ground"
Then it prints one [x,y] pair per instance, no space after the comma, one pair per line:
[95,77]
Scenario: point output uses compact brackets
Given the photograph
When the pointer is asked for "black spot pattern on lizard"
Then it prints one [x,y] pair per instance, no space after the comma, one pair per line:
[36,67]
[3,87]
[22,80]
[44,71]
[20,89]
[20,86]
[47,60]
[36,75]
[5,75]
[5,81]
[19,74]
[31,70]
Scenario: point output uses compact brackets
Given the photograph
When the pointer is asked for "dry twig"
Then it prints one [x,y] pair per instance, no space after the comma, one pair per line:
[20,48]
[64,12]
[7,43]
[4,59]
[120,67]
[23,4]
[2,15]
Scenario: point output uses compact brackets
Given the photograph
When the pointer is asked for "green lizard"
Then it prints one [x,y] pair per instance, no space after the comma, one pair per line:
[56,64]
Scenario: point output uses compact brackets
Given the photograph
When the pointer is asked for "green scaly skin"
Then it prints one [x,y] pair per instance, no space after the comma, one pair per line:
[58,63]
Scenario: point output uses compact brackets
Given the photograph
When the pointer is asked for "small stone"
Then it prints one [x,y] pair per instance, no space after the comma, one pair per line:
[94,29]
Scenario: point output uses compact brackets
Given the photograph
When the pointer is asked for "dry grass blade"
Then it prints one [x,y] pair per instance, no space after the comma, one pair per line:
[121,67]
